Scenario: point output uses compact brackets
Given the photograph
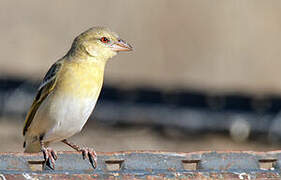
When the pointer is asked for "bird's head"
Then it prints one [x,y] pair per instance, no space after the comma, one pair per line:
[99,42]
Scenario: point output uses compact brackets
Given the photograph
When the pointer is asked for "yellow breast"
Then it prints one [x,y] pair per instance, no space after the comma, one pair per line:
[81,79]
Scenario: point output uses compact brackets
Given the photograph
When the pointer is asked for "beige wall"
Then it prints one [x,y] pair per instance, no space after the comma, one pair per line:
[215,45]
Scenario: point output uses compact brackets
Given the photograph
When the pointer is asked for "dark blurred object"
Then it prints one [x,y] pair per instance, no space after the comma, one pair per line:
[182,110]
[16,96]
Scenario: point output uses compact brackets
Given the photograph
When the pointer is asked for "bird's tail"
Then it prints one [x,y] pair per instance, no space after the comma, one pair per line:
[31,147]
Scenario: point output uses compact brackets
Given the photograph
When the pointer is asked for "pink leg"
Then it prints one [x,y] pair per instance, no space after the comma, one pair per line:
[85,152]
[50,155]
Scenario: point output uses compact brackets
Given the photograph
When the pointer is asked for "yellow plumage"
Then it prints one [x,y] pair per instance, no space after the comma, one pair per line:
[81,79]
[69,92]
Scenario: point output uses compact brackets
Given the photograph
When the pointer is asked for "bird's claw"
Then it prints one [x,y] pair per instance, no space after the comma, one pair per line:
[50,157]
[91,155]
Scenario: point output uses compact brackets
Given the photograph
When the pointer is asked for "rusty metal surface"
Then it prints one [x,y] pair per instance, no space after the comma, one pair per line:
[146,165]
[184,175]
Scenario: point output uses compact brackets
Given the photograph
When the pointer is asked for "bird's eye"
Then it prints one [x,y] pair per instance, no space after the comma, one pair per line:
[104,40]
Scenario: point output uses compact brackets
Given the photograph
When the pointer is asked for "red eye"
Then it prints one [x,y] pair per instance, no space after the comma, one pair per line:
[104,40]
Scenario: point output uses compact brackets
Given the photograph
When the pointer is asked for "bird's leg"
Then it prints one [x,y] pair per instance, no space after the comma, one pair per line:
[50,155]
[85,152]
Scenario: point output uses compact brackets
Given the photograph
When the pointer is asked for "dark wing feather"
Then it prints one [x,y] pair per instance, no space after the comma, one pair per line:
[45,88]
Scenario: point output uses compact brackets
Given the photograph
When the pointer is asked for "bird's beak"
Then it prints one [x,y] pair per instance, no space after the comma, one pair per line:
[121,45]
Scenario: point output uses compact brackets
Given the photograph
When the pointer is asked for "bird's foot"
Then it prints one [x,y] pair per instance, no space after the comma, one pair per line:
[86,152]
[50,157]
[91,154]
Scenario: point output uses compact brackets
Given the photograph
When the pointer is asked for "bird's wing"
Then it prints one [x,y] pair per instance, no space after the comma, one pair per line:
[45,88]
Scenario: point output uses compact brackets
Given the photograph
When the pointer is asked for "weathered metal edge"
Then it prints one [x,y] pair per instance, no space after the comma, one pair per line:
[151,152]
[176,175]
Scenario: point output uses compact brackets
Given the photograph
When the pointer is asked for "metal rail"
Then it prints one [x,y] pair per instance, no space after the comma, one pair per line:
[146,165]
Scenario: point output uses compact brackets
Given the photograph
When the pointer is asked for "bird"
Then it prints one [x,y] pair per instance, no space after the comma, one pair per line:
[68,94]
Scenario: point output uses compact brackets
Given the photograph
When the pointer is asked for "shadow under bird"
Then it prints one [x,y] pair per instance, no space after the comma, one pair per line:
[69,92]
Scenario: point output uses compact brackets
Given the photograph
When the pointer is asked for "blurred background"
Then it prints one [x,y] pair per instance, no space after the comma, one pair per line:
[204,75]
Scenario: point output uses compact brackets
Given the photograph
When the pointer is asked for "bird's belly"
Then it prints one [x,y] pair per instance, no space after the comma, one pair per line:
[67,108]
[66,116]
